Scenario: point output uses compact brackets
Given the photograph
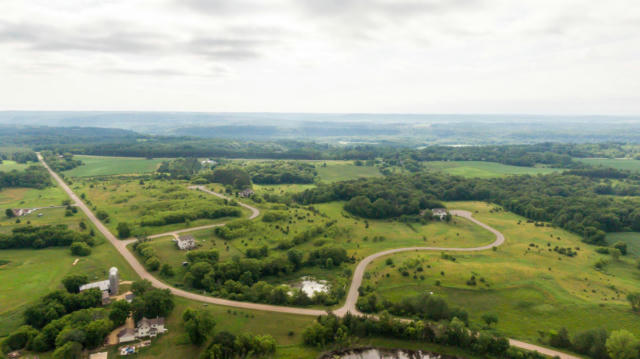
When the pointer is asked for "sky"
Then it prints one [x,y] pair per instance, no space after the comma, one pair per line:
[345,56]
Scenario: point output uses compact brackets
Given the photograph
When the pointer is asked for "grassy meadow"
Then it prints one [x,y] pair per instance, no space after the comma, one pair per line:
[108,166]
[8,165]
[632,239]
[336,171]
[617,163]
[527,284]
[483,169]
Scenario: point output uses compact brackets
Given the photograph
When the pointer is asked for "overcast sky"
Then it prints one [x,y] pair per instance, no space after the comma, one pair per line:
[407,56]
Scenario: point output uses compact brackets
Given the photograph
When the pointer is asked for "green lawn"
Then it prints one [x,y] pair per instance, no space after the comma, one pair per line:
[31,197]
[620,164]
[344,170]
[632,239]
[7,165]
[521,281]
[483,169]
[105,166]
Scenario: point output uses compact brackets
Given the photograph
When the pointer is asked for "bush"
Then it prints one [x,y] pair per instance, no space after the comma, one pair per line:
[80,249]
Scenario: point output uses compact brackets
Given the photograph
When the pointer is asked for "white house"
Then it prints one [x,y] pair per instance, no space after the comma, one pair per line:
[440,213]
[186,242]
[150,327]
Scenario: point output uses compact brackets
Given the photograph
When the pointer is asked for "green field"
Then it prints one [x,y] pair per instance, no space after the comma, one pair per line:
[483,169]
[106,166]
[7,165]
[620,164]
[31,197]
[522,281]
[344,170]
[632,239]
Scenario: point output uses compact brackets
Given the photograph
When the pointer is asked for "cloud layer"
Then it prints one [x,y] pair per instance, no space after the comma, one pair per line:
[428,56]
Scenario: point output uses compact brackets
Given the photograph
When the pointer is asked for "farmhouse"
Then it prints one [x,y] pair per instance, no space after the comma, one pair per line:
[127,335]
[19,212]
[246,193]
[150,327]
[440,213]
[186,242]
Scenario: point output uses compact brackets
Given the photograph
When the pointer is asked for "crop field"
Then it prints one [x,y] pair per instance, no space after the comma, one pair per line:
[130,200]
[620,164]
[632,239]
[107,166]
[524,278]
[483,169]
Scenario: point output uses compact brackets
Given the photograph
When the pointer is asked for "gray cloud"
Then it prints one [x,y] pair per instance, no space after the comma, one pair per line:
[383,8]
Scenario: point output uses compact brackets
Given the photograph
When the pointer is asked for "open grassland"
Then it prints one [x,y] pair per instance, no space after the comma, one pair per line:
[107,166]
[31,197]
[335,171]
[50,216]
[131,200]
[483,169]
[632,239]
[527,284]
[620,164]
[7,165]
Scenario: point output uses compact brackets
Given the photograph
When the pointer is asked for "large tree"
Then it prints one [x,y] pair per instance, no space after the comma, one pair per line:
[198,324]
[622,345]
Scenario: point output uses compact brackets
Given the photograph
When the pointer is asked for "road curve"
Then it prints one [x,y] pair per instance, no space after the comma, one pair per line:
[352,297]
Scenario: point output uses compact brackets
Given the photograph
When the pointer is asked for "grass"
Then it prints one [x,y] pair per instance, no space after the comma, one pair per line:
[107,166]
[7,166]
[344,170]
[620,164]
[31,197]
[530,288]
[632,239]
[128,199]
[483,169]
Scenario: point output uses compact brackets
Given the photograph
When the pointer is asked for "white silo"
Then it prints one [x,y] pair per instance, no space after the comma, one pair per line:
[113,281]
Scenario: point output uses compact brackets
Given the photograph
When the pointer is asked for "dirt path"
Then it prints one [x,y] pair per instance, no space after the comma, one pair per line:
[352,296]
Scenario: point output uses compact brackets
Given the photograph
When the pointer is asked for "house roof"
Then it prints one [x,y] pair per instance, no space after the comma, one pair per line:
[156,321]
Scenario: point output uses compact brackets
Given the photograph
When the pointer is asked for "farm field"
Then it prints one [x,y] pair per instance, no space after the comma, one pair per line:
[343,171]
[632,239]
[31,197]
[107,166]
[483,169]
[617,163]
[524,278]
[131,200]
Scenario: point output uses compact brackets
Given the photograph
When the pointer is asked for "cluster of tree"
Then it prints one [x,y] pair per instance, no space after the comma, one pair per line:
[60,161]
[281,172]
[45,137]
[235,177]
[37,237]
[33,177]
[340,332]
[193,213]
[180,168]
[225,345]
[19,156]
[423,306]
[58,304]
[568,201]
[275,216]
[242,278]
[150,302]
[148,253]
[596,343]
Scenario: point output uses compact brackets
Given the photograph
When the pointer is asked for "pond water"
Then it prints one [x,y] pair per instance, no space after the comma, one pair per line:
[310,285]
[374,353]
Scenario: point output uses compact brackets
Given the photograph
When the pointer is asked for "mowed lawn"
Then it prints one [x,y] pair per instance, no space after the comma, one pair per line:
[617,163]
[483,169]
[106,166]
[32,273]
[525,282]
[632,239]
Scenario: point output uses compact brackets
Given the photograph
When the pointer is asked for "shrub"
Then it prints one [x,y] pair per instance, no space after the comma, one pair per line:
[80,249]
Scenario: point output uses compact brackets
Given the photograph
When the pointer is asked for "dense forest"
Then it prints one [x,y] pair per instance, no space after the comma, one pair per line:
[281,172]
[568,201]
[33,176]
[38,237]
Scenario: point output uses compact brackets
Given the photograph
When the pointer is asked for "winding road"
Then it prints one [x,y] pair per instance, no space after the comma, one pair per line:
[352,296]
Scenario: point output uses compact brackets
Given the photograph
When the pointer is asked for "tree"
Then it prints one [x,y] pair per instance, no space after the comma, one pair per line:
[489,319]
[124,231]
[622,247]
[622,345]
[70,350]
[634,300]
[140,287]
[80,249]
[153,263]
[198,324]
[615,253]
[153,303]
[119,313]
[73,282]
[9,213]
[295,257]
[167,270]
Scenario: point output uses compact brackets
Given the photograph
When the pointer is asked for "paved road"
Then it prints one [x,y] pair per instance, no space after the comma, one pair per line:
[352,296]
